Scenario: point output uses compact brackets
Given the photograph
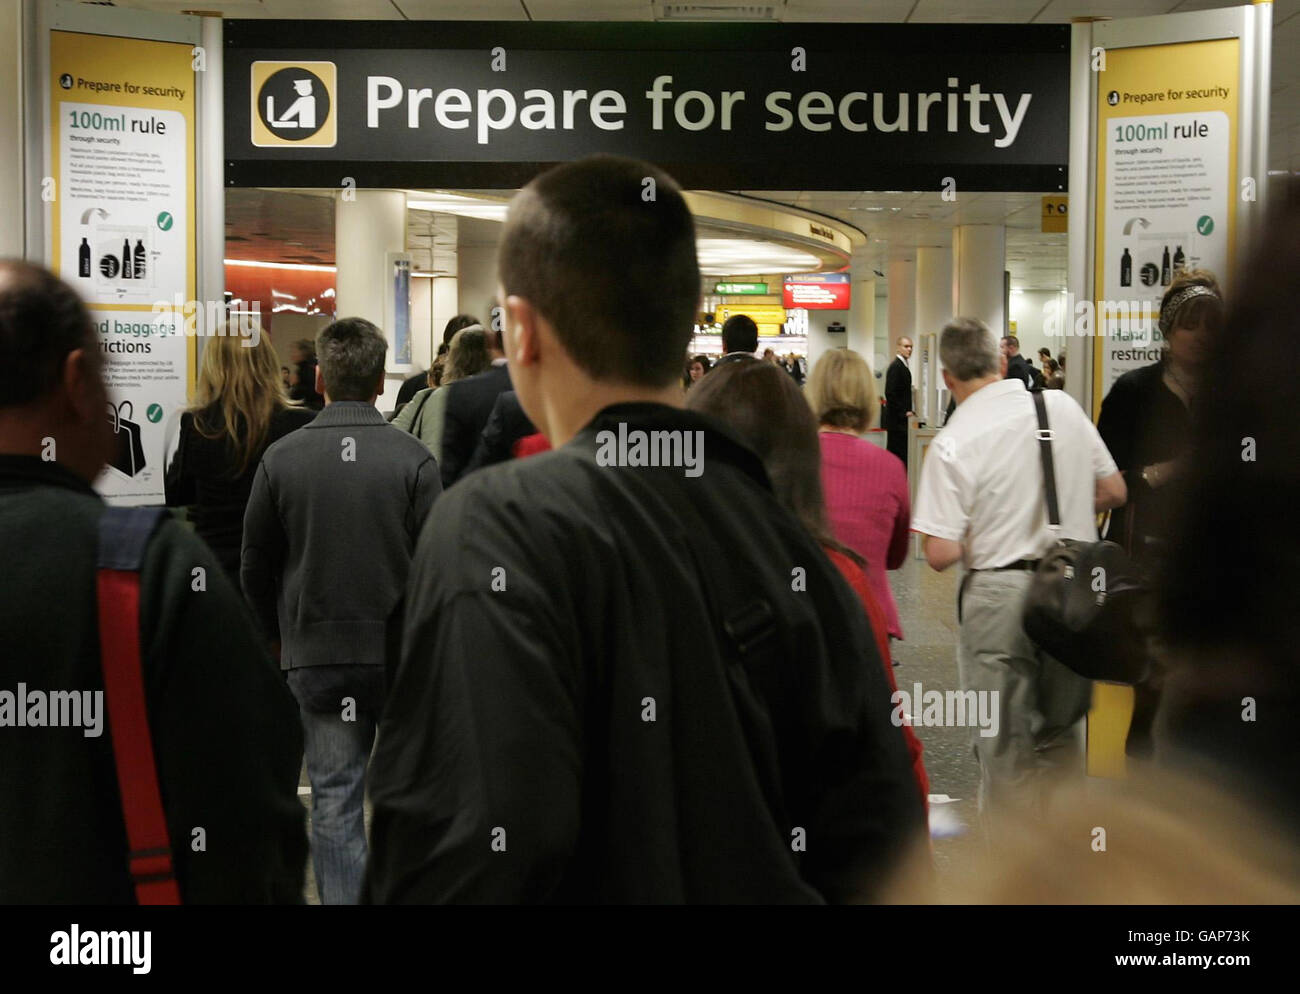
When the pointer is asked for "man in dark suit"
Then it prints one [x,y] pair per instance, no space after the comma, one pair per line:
[506,425]
[469,402]
[898,400]
[1018,367]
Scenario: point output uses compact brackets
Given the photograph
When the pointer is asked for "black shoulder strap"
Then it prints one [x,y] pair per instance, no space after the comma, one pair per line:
[1045,450]
[748,622]
[419,412]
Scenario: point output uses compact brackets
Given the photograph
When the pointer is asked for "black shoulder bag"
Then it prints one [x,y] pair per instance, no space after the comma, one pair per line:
[1085,599]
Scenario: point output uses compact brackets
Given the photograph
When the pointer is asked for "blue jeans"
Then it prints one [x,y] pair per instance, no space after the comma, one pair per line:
[337,744]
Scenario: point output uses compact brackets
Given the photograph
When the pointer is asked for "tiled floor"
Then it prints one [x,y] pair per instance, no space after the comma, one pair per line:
[926,606]
[928,656]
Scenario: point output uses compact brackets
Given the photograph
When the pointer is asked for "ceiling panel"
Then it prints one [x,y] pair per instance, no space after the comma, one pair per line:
[879,12]
[992,11]
[461,10]
[597,10]
[1067,10]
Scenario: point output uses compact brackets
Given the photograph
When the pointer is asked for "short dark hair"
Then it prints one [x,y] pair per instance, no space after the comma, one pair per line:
[42,320]
[740,334]
[1012,341]
[351,354]
[967,349]
[604,249]
[455,325]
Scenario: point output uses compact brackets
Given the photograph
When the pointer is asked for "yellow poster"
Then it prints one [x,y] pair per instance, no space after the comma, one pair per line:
[1166,188]
[1166,200]
[121,135]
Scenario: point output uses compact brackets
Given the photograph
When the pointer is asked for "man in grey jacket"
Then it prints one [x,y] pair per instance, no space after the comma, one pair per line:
[328,535]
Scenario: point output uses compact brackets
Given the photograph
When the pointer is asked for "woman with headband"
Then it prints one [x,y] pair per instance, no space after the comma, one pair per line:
[1146,421]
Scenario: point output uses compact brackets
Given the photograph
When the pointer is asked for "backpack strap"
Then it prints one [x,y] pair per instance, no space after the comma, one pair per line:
[417,419]
[124,534]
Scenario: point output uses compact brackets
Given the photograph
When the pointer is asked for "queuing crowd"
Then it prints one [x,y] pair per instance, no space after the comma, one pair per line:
[565,665]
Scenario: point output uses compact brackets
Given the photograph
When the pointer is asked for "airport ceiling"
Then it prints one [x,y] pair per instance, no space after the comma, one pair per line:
[895,222]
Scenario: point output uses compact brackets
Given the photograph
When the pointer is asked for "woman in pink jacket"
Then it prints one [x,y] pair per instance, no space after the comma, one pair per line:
[865,486]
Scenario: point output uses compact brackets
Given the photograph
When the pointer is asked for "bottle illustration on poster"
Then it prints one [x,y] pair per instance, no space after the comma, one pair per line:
[83,259]
[1126,269]
[139,259]
[127,263]
[1180,260]
[1165,275]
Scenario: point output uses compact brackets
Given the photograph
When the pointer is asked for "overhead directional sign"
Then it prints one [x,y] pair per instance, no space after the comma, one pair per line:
[753,106]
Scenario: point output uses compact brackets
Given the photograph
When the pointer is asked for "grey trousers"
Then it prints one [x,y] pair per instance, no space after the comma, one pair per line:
[1039,701]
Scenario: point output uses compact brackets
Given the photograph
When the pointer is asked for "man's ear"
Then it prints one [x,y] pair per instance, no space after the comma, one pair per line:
[84,385]
[521,335]
[320,381]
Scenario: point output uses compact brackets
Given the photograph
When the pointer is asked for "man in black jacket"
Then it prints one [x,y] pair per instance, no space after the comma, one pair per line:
[225,731]
[506,425]
[1018,367]
[898,400]
[628,674]
[739,338]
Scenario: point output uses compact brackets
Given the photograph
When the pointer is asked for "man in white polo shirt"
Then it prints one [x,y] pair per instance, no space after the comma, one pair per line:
[980,502]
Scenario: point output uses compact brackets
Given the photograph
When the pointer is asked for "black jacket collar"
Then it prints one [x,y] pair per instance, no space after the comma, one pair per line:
[20,472]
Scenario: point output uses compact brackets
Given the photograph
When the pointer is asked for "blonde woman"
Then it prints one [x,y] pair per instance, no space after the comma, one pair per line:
[865,486]
[239,409]
[423,417]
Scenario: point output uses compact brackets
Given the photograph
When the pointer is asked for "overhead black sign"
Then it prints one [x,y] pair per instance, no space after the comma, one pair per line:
[804,107]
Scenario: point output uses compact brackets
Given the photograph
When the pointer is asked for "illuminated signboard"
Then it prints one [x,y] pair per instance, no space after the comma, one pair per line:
[816,291]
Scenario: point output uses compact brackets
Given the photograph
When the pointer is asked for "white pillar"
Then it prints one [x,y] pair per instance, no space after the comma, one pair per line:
[934,309]
[365,230]
[210,189]
[819,339]
[934,289]
[979,261]
[446,305]
[861,320]
[476,266]
[902,301]
[883,348]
